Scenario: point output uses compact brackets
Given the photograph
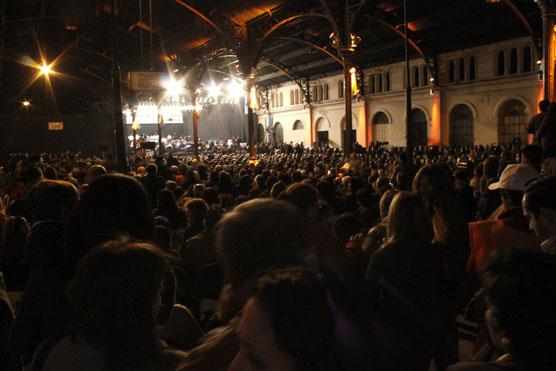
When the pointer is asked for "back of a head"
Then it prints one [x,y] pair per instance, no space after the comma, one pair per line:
[301,318]
[210,195]
[304,196]
[532,154]
[258,235]
[115,295]
[520,286]
[408,219]
[95,171]
[439,175]
[543,105]
[111,205]
[166,201]
[196,209]
[51,200]
[541,194]
[347,225]
[152,169]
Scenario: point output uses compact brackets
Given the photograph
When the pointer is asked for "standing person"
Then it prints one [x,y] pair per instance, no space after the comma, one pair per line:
[434,185]
[402,286]
[546,133]
[536,121]
[509,228]
[521,311]
[539,207]
[152,183]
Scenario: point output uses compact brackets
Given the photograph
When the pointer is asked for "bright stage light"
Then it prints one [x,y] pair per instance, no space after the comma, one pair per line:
[236,89]
[26,103]
[174,88]
[214,91]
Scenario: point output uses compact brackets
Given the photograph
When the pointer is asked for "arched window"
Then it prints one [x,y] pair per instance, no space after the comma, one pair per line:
[501,70]
[472,68]
[272,100]
[425,75]
[320,93]
[315,93]
[278,133]
[325,96]
[513,61]
[292,99]
[379,84]
[281,100]
[419,125]
[451,71]
[298,125]
[461,126]
[341,89]
[461,69]
[381,128]
[526,59]
[416,76]
[512,123]
[387,83]
[296,96]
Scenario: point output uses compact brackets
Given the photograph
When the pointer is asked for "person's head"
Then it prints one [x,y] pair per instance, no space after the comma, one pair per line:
[513,181]
[277,189]
[521,314]
[196,211]
[259,235]
[408,220]
[152,169]
[112,204]
[13,235]
[94,172]
[531,155]
[548,167]
[198,190]
[51,200]
[287,324]
[345,226]
[543,105]
[225,182]
[432,181]
[385,202]
[166,201]
[539,207]
[116,298]
[210,195]
[305,197]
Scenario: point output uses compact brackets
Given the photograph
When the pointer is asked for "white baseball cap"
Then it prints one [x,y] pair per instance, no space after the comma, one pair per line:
[516,177]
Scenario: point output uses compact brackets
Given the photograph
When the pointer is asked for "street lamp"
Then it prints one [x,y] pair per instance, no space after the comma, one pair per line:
[45,69]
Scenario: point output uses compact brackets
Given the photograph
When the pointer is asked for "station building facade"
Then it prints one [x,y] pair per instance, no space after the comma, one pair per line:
[483,95]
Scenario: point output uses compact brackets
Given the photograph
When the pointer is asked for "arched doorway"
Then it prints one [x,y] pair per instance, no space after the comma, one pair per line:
[381,128]
[419,125]
[278,133]
[353,131]
[512,123]
[322,132]
[462,128]
[298,125]
[260,133]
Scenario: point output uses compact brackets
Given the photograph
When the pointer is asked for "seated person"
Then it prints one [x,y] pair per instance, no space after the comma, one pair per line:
[521,311]
[116,297]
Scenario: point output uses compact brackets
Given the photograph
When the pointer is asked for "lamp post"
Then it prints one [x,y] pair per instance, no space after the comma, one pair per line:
[548,11]
[117,96]
[408,106]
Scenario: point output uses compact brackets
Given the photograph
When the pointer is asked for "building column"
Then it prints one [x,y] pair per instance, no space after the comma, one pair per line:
[436,133]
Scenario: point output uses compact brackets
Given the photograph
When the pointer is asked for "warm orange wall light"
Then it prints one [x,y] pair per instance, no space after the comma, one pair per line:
[435,137]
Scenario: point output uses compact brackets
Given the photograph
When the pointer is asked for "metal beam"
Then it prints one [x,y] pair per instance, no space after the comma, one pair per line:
[295,69]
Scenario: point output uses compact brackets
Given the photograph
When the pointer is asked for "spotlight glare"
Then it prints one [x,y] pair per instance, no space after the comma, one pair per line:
[25,103]
[174,88]
[236,89]
[45,69]
[214,91]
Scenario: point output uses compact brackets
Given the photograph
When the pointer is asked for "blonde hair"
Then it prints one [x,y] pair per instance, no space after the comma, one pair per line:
[408,219]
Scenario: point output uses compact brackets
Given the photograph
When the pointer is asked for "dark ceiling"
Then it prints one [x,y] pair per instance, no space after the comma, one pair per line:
[77,34]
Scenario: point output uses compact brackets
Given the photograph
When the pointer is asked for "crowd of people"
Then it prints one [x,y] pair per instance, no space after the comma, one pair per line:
[305,259]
